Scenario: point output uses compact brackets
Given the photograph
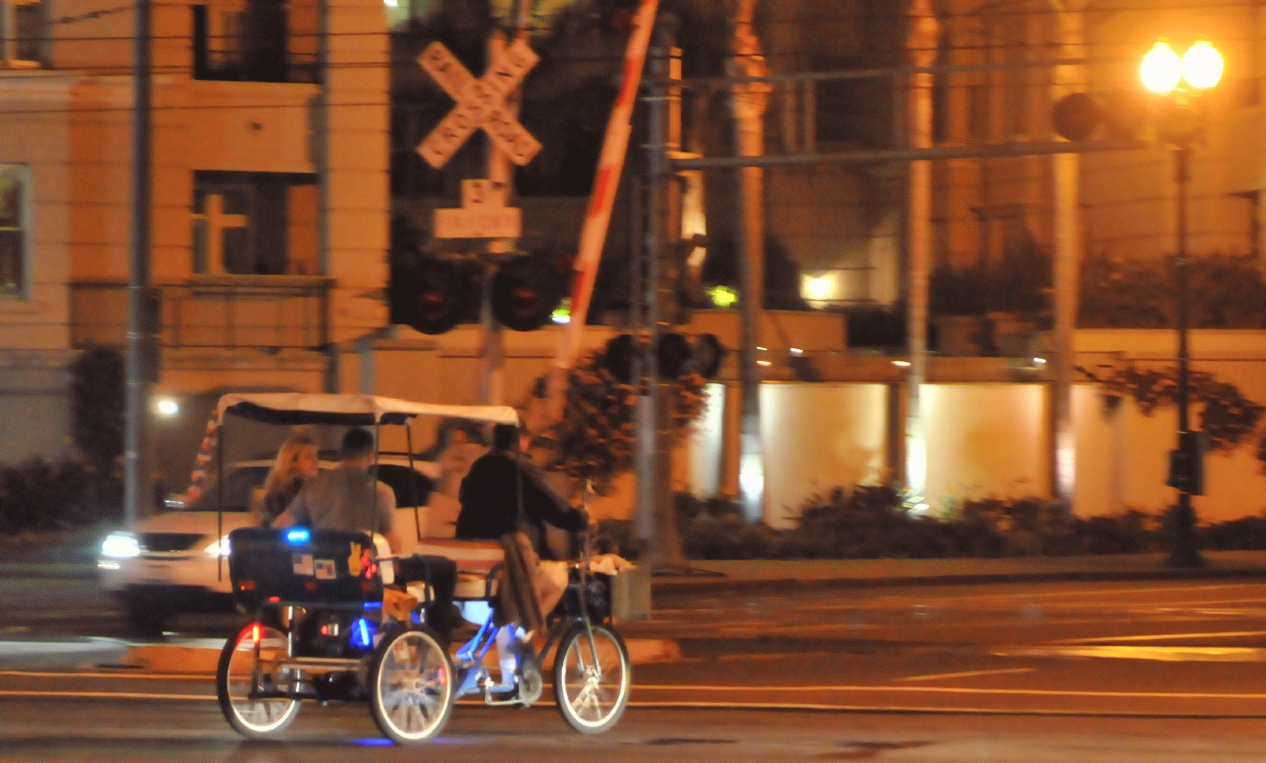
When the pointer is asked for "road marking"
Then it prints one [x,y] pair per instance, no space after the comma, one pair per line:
[771,705]
[1159,637]
[1155,653]
[818,707]
[136,676]
[956,690]
[967,674]
[106,695]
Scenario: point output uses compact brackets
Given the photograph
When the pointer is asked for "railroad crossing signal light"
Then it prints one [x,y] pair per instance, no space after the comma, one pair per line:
[528,289]
[431,297]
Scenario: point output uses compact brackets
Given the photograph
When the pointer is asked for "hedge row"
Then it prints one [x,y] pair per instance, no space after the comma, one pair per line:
[38,496]
[869,523]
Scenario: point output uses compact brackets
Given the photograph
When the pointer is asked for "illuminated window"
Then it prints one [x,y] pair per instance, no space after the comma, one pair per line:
[14,224]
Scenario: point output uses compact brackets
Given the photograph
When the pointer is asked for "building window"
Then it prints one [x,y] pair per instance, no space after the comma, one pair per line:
[24,30]
[257,41]
[15,205]
[254,223]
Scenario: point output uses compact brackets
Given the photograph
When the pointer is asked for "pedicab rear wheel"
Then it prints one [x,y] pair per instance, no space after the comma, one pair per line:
[410,686]
[248,664]
[592,679]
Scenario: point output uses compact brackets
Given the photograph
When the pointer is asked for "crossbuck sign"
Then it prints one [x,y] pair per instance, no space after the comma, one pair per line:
[481,103]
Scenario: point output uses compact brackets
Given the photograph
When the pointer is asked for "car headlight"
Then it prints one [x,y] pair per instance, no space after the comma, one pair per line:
[218,548]
[120,546]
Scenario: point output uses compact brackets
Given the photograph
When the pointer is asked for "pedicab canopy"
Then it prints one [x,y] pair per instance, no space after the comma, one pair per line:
[294,408]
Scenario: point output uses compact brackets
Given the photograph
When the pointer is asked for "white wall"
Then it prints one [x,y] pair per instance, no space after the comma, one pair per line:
[985,440]
[818,437]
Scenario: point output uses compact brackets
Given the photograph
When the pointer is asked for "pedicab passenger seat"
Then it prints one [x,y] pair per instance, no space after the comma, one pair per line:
[479,563]
[330,568]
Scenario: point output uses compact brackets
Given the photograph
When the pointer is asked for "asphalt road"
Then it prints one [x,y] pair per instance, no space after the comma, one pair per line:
[1153,671]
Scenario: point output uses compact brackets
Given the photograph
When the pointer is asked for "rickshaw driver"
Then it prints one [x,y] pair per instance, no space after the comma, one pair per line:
[338,499]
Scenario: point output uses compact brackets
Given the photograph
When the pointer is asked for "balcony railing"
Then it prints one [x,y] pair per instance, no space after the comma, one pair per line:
[270,312]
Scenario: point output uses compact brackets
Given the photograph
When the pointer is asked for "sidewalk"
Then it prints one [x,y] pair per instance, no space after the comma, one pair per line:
[769,575]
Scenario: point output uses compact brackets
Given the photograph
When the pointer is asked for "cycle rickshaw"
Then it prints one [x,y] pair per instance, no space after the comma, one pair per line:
[326,624]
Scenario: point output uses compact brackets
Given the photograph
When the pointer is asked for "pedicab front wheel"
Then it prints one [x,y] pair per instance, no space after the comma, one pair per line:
[411,686]
[592,678]
[250,685]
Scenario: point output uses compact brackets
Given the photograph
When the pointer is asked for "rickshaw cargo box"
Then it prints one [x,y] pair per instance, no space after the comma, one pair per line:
[297,565]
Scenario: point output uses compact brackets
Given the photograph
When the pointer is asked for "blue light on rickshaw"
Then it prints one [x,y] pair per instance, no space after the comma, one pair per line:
[298,535]
[362,634]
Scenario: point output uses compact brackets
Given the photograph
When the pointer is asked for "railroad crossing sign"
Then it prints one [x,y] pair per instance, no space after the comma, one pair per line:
[483,214]
[481,103]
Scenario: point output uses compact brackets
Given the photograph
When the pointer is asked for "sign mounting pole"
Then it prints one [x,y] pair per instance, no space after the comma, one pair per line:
[489,103]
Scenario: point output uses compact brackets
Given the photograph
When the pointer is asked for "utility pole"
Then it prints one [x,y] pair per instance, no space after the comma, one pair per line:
[500,178]
[749,101]
[1068,243]
[922,46]
[656,523]
[141,360]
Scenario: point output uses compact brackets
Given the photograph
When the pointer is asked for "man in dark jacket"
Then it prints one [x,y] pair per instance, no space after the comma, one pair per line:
[490,499]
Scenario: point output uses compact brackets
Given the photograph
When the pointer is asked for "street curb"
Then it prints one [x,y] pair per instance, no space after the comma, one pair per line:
[203,658]
[61,571]
[686,585]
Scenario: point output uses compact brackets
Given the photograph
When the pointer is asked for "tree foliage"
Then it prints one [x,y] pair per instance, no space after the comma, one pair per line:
[96,408]
[1225,292]
[596,437]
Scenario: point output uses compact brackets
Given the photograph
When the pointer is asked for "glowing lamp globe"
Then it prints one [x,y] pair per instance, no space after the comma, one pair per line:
[1202,65]
[1161,68]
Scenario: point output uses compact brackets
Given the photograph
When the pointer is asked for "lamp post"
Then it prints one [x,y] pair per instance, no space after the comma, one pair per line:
[1180,80]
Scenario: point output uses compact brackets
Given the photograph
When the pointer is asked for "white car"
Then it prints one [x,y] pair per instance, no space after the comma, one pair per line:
[175,562]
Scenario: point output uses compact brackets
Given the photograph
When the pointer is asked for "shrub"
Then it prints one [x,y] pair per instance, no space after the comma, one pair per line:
[39,496]
[96,408]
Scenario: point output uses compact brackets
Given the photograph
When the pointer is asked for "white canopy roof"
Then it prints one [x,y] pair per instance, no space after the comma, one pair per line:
[349,410]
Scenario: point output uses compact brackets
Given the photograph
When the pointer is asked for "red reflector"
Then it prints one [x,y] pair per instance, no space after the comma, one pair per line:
[247,585]
[310,585]
[274,598]
[366,586]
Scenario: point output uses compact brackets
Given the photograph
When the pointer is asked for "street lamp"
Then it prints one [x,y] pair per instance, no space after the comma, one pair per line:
[1180,80]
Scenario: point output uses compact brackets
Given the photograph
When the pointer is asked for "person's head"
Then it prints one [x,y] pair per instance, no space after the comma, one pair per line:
[504,436]
[358,445]
[297,459]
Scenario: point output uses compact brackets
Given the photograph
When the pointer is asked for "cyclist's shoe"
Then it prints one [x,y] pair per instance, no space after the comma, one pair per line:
[503,692]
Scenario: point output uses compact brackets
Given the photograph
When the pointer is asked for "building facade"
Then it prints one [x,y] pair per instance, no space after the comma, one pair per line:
[269,203]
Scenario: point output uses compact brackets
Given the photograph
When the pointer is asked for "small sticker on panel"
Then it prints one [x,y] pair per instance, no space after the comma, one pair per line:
[302,564]
[325,569]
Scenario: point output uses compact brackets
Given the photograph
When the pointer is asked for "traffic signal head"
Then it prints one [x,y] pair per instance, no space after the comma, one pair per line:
[1076,116]
[672,354]
[527,290]
[707,354]
[619,356]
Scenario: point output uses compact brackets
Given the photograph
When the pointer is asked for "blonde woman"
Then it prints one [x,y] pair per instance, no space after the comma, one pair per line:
[296,464]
